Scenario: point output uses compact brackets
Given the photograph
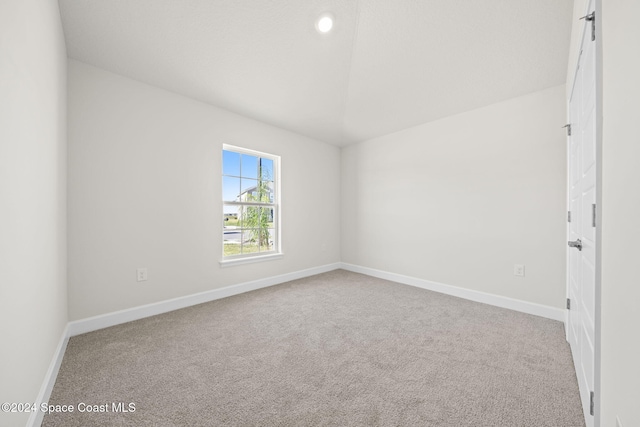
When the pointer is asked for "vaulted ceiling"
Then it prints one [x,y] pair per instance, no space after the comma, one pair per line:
[386,65]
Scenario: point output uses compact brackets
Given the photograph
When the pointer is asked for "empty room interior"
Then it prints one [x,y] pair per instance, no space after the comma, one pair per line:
[319,212]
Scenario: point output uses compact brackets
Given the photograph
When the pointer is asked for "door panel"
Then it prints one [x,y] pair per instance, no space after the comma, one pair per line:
[581,199]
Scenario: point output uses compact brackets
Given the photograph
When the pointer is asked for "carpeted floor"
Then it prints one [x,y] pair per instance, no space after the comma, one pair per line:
[336,349]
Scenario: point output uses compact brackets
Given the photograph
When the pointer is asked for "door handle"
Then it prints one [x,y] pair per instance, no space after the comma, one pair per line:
[575,244]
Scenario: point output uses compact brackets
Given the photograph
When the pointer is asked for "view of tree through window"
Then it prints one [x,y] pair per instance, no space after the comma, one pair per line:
[249,202]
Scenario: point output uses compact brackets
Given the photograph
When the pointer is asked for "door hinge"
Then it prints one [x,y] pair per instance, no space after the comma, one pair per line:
[592,403]
[568,126]
[591,17]
[593,215]
[568,216]
[568,304]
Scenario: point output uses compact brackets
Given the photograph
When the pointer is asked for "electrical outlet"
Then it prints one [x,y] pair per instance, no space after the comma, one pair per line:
[142,274]
[518,270]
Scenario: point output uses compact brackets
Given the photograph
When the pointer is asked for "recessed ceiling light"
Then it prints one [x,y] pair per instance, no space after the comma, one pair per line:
[324,23]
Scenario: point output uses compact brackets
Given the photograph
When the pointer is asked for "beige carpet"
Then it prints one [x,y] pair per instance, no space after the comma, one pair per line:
[337,349]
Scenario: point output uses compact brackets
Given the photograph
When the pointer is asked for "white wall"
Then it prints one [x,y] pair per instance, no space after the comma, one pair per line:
[145,191]
[33,296]
[620,346]
[461,200]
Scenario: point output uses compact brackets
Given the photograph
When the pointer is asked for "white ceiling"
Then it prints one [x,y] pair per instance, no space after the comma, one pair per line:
[387,65]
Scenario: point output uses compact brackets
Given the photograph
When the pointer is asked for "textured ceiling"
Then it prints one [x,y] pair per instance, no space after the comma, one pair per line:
[387,64]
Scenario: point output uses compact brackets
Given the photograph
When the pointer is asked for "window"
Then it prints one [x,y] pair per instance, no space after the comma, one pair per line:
[250,203]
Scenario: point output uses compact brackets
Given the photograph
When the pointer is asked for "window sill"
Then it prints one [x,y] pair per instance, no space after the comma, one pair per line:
[250,259]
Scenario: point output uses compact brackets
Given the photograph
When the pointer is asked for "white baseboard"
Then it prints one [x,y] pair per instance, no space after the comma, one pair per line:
[82,326]
[111,319]
[36,417]
[483,297]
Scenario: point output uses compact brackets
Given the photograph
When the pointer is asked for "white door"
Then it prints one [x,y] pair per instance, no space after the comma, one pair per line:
[581,230]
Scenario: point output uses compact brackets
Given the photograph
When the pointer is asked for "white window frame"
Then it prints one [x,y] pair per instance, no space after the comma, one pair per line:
[276,253]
